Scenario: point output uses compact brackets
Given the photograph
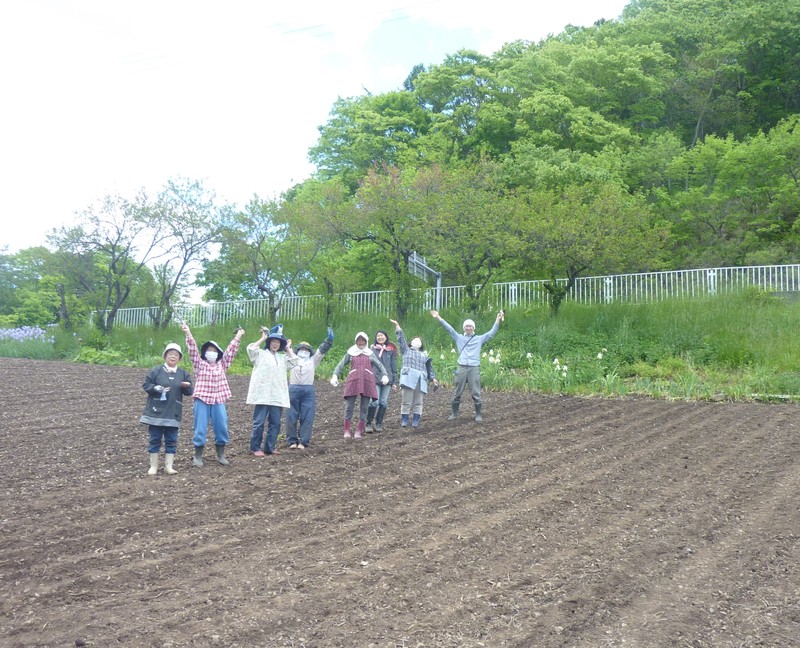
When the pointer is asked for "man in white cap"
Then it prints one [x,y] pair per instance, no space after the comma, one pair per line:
[468,346]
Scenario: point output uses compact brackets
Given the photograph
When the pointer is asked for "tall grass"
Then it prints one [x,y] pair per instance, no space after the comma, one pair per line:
[27,342]
[736,347]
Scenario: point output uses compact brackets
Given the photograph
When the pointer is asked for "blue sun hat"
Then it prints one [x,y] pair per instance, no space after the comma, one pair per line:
[276,333]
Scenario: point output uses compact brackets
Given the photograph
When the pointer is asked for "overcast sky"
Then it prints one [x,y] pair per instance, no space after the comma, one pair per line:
[107,96]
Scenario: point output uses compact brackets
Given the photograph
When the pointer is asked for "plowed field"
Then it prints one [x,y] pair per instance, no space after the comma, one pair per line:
[556,522]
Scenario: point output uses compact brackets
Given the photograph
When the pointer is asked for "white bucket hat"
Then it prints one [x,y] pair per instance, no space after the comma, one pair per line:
[172,347]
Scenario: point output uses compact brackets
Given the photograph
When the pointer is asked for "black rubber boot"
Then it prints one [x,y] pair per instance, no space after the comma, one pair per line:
[478,416]
[221,458]
[378,425]
[454,414]
[197,460]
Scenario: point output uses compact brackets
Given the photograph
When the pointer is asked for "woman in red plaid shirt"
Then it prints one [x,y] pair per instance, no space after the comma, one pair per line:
[211,393]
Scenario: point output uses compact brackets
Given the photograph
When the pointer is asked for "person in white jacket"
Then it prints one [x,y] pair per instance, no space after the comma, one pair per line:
[269,387]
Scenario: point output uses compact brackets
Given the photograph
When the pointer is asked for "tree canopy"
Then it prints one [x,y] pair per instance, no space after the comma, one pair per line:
[667,138]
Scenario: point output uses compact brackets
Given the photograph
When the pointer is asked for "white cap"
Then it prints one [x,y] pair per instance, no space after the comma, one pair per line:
[468,322]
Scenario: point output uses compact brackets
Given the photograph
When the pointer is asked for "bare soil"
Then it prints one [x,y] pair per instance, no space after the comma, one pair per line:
[556,522]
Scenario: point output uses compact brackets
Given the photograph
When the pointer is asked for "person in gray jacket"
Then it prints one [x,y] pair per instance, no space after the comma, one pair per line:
[165,385]
[302,396]
[415,376]
[468,347]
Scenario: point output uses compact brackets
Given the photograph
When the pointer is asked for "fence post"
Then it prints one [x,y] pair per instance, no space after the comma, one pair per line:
[711,274]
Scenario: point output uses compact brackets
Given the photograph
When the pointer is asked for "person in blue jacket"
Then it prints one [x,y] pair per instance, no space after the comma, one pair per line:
[468,347]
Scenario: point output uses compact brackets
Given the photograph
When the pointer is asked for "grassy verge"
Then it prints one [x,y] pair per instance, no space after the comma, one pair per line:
[738,347]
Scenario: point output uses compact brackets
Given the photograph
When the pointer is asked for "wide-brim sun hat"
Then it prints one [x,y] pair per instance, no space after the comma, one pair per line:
[275,336]
[304,345]
[210,343]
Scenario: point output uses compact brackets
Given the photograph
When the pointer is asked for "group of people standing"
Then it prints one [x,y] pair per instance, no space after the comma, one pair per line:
[283,379]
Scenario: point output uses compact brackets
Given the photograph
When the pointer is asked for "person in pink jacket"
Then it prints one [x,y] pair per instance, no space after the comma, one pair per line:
[211,393]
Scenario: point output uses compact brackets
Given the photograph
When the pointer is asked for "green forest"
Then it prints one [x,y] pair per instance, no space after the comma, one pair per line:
[665,139]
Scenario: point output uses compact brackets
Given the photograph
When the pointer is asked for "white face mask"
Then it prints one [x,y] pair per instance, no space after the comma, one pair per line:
[416,343]
[212,356]
[304,353]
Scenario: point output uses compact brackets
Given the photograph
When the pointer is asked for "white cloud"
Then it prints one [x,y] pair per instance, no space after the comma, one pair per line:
[111,96]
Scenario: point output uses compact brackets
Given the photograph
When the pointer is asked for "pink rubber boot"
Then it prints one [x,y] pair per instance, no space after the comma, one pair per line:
[347,429]
[360,428]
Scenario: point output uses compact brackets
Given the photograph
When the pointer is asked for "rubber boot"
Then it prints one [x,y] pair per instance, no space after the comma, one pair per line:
[347,434]
[359,429]
[378,426]
[478,416]
[197,460]
[370,428]
[153,464]
[168,469]
[454,413]
[415,421]
[404,420]
[220,448]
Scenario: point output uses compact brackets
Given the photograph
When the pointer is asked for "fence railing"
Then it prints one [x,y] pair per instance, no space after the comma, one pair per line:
[625,288]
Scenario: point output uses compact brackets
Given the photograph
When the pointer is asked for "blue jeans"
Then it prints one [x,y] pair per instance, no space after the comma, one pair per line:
[218,415]
[301,413]
[169,434]
[383,396]
[272,415]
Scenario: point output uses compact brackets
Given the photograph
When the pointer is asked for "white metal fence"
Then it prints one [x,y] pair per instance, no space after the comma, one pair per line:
[627,288]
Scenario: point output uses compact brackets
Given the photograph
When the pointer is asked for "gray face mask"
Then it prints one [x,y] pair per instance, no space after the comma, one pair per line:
[212,356]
